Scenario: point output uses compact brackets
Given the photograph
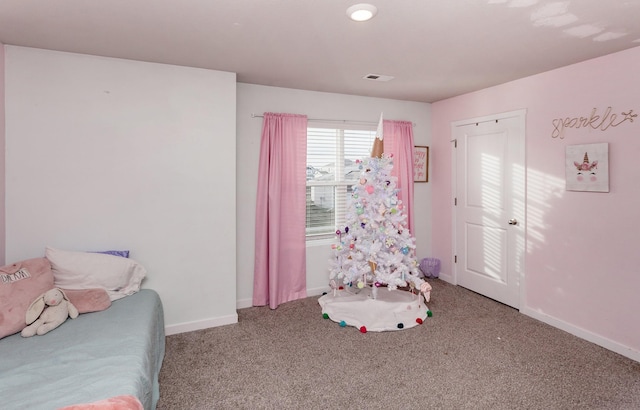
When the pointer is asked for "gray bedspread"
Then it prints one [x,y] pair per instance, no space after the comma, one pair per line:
[117,351]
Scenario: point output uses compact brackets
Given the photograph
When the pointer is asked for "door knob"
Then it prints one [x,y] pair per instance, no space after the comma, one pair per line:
[513,221]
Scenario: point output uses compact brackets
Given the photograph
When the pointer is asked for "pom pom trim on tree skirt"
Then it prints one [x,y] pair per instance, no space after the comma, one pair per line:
[390,310]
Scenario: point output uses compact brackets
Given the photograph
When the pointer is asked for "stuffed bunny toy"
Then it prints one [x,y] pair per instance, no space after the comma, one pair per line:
[47,312]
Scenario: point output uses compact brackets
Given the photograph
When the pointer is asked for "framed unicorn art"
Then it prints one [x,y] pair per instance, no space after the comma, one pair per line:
[587,167]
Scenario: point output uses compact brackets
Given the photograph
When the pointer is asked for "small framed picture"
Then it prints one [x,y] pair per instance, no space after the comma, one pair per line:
[587,167]
[420,164]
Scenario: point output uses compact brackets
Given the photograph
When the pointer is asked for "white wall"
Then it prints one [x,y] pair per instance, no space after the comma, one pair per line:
[259,99]
[106,153]
[2,158]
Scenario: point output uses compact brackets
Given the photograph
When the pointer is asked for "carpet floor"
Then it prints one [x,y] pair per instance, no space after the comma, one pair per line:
[473,353]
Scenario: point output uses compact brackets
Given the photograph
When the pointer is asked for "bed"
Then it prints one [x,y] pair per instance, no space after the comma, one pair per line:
[116,352]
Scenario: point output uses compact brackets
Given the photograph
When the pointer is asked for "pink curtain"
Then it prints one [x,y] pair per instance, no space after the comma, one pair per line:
[280,249]
[398,141]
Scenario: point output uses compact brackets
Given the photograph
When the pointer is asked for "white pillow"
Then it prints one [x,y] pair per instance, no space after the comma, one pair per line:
[84,270]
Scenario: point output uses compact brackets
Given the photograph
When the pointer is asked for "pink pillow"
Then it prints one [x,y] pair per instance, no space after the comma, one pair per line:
[88,300]
[20,284]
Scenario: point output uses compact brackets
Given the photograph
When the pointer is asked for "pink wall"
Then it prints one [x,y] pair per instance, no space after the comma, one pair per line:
[582,264]
[2,166]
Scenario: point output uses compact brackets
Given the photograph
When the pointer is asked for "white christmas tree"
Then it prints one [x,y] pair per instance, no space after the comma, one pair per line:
[375,247]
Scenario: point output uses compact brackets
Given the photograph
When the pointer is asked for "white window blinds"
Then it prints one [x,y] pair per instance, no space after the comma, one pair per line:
[332,169]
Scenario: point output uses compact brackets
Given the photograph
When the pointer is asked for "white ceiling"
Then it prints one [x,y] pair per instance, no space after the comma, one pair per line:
[435,49]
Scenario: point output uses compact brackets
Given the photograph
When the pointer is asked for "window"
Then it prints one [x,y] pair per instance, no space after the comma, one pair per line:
[331,172]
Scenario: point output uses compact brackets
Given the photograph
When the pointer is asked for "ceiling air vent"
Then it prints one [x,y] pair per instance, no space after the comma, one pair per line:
[378,77]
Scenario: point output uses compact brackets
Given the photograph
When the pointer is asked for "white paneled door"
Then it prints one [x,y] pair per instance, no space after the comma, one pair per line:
[489,205]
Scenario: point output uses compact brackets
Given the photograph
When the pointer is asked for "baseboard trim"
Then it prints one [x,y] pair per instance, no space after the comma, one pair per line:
[583,334]
[244,303]
[318,291]
[447,278]
[201,324]
[247,303]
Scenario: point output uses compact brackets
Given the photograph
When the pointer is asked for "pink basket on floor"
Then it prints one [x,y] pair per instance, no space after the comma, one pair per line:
[430,267]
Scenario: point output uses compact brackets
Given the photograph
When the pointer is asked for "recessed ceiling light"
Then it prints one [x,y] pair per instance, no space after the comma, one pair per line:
[361,12]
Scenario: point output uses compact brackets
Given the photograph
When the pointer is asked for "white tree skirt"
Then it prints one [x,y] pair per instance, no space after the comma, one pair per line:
[390,310]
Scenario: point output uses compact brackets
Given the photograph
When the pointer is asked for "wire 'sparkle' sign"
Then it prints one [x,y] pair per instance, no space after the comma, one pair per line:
[595,121]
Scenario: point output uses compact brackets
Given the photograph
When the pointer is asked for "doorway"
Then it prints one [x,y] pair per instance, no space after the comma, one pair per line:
[489,205]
